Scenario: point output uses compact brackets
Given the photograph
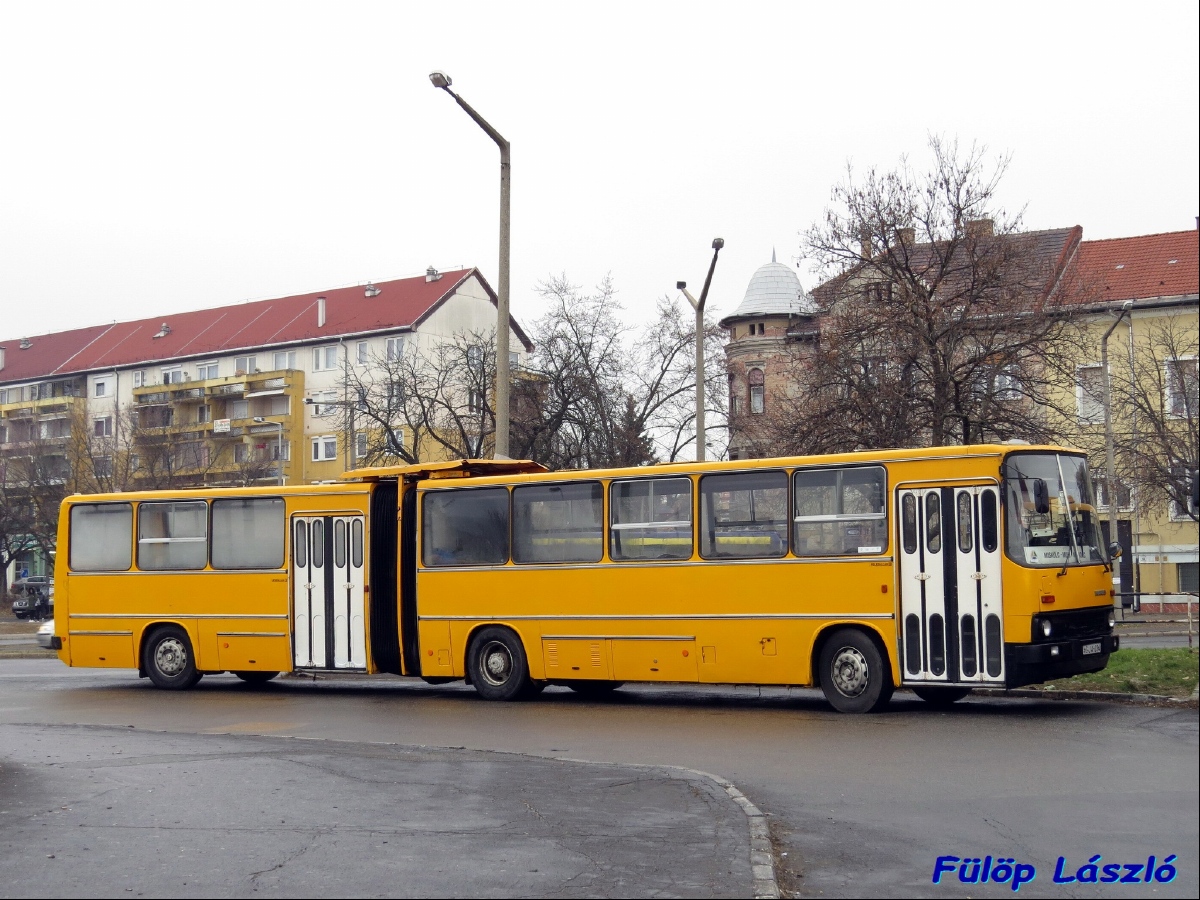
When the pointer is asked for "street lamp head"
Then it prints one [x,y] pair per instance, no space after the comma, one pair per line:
[440,79]
[259,419]
[681,285]
[718,243]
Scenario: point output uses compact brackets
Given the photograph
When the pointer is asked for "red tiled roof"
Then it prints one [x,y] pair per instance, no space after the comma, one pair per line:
[247,326]
[1136,268]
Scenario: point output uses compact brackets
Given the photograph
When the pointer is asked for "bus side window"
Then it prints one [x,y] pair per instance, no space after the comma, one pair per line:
[300,544]
[839,512]
[651,518]
[101,537]
[987,527]
[172,535]
[248,533]
[743,515]
[465,527]
[558,523]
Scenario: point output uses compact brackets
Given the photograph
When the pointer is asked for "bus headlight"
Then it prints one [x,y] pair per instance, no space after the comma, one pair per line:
[1046,628]
[1112,619]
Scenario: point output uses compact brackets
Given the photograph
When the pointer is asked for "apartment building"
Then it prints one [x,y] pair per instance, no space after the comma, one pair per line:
[239,394]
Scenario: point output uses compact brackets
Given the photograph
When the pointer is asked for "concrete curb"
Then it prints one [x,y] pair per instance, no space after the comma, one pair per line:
[1025,693]
[762,860]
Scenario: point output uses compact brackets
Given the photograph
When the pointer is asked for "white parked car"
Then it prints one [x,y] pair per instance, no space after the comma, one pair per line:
[45,633]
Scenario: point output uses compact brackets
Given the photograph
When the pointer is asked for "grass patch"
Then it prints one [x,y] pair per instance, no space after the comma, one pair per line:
[1172,672]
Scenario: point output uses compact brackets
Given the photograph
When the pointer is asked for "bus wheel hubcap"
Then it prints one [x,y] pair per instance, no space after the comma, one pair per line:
[497,663]
[850,672]
[170,657]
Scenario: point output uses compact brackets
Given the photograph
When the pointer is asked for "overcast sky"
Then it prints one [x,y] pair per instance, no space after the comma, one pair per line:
[165,156]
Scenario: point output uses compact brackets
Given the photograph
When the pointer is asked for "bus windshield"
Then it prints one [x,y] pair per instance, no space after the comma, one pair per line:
[1065,532]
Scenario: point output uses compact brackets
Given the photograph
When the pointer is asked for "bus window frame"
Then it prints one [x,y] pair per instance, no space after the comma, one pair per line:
[614,527]
[512,521]
[423,498]
[882,516]
[132,533]
[206,539]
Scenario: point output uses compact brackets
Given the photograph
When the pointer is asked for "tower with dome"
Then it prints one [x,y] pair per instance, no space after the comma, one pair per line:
[768,326]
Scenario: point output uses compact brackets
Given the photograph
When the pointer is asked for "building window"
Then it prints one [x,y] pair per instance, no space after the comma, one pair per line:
[475,401]
[284,359]
[1008,384]
[360,445]
[757,386]
[102,427]
[324,358]
[395,348]
[360,352]
[1183,488]
[1189,577]
[203,413]
[239,409]
[324,403]
[100,388]
[1183,380]
[139,378]
[1089,395]
[103,466]
[172,375]
[245,365]
[324,448]
[207,371]
[1124,495]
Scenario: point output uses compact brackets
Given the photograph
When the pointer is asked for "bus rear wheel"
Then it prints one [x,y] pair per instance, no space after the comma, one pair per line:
[941,697]
[169,661]
[256,677]
[499,670]
[854,676]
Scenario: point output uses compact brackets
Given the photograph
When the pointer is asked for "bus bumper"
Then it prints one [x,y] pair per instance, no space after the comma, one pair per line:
[1036,663]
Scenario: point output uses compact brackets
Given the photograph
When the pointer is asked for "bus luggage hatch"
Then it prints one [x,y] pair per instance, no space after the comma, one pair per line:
[951,628]
[328,608]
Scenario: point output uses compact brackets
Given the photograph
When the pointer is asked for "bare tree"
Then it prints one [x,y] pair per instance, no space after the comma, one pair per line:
[16,517]
[422,401]
[1158,438]
[941,321]
[600,393]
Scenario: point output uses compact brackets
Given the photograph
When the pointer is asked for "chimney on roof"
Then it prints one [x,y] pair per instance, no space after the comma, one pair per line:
[26,343]
[320,312]
[906,237]
[864,242]
[981,228]
[370,290]
[432,274]
[163,331]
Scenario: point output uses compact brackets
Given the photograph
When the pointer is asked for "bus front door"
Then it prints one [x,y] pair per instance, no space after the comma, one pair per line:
[328,604]
[950,599]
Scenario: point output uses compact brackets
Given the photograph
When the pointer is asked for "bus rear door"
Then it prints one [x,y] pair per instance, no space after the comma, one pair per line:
[328,608]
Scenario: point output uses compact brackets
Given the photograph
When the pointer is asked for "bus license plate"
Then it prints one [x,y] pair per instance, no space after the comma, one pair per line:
[1089,649]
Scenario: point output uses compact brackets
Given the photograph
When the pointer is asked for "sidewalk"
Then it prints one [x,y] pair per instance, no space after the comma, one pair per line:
[100,811]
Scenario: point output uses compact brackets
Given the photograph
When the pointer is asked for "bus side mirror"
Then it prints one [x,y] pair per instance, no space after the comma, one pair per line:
[1041,496]
[1114,550]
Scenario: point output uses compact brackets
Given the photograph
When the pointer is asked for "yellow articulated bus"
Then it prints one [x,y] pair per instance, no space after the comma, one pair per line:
[939,570]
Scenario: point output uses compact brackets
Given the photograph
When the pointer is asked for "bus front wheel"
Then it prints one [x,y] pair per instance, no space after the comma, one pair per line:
[854,676]
[169,660]
[499,670]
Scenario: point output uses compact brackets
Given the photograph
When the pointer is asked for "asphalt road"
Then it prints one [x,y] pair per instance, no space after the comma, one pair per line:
[860,806]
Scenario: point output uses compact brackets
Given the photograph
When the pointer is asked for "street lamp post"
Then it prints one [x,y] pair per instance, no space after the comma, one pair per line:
[1126,310]
[503,373]
[698,306]
[279,451]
